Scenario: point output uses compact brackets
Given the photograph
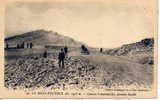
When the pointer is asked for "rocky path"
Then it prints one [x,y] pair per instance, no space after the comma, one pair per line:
[81,71]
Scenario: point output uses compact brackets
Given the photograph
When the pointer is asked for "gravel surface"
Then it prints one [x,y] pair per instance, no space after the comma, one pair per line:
[79,72]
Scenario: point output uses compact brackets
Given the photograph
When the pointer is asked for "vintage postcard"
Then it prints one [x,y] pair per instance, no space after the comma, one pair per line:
[78,48]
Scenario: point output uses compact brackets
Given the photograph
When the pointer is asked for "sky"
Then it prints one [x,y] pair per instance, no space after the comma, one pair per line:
[106,23]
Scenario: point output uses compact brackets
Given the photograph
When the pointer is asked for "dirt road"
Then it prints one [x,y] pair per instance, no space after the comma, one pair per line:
[119,70]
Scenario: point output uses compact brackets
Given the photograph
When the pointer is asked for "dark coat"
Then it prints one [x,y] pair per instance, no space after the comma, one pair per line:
[61,56]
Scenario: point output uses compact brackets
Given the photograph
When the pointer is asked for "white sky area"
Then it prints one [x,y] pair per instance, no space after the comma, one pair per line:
[99,24]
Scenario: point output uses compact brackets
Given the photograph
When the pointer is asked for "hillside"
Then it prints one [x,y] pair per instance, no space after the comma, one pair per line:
[145,45]
[42,38]
[141,52]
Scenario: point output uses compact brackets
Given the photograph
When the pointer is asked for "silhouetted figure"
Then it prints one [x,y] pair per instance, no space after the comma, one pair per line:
[7,46]
[84,50]
[28,45]
[18,46]
[82,47]
[31,45]
[66,51]
[22,45]
[45,54]
[61,57]
[101,50]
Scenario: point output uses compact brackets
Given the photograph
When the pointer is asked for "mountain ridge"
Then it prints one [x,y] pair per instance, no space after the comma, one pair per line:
[42,37]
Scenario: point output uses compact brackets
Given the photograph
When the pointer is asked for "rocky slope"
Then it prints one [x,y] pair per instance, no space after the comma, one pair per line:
[141,51]
[145,45]
[36,71]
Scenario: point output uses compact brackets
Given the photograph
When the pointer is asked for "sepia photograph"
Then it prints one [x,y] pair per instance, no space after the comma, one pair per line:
[107,46]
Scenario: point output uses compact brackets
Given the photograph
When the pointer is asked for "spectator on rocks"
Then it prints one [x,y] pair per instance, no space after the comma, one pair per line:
[45,54]
[101,50]
[61,57]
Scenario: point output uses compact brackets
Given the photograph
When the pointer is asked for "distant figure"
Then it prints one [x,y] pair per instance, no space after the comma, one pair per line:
[28,45]
[7,45]
[101,50]
[18,46]
[84,49]
[31,45]
[66,51]
[61,57]
[45,54]
[22,45]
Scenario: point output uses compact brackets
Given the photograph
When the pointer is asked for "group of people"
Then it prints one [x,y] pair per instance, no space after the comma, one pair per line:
[25,45]
[20,45]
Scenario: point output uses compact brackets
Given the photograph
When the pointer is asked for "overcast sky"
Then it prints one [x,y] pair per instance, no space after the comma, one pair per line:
[99,24]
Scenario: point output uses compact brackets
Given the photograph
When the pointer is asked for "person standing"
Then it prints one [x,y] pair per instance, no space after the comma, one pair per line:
[22,45]
[7,45]
[101,50]
[31,45]
[61,58]
[28,44]
[45,54]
